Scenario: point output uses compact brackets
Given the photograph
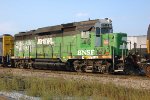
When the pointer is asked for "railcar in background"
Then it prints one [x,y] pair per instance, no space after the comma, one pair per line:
[146,64]
[6,49]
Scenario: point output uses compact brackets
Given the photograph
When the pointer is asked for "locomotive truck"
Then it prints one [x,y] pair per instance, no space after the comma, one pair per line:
[78,46]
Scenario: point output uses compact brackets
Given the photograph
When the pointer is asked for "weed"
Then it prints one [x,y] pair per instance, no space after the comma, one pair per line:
[59,88]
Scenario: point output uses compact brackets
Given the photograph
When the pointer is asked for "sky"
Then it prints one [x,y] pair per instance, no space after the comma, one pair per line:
[128,16]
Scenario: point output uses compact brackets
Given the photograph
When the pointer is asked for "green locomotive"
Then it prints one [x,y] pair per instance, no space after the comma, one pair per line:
[80,46]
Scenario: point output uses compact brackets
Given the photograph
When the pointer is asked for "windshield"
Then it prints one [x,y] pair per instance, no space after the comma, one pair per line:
[105,30]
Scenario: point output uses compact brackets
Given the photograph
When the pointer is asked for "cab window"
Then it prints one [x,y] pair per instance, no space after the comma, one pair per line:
[98,31]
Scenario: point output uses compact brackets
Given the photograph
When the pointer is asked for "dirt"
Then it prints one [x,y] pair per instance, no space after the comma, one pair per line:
[126,81]
[3,98]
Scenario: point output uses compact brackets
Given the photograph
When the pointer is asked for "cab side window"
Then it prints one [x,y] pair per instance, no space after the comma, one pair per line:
[98,31]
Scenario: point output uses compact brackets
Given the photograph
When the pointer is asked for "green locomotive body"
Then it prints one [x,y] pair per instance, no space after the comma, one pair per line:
[79,45]
[73,47]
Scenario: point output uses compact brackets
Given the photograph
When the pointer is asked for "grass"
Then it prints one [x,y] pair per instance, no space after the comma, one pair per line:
[59,88]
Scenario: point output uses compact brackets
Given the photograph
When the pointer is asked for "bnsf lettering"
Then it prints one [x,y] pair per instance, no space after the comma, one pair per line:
[45,41]
[85,52]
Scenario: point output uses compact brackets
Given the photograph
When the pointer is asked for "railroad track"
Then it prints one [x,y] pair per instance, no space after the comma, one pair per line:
[76,73]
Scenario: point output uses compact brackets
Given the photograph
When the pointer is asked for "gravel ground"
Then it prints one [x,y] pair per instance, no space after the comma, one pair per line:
[16,96]
[126,81]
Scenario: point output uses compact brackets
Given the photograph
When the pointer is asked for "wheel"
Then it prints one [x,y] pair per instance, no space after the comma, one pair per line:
[95,69]
[21,66]
[76,66]
[110,70]
[83,68]
[29,66]
[16,64]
